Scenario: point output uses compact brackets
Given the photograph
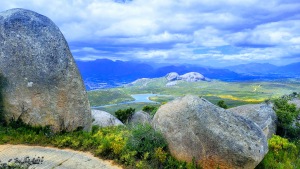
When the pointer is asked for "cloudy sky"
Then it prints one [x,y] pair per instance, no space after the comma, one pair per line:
[207,32]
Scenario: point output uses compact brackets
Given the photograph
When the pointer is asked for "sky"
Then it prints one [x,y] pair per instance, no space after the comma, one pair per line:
[206,32]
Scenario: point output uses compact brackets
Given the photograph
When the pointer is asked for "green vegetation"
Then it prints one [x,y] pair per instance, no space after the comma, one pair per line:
[124,115]
[252,91]
[162,99]
[287,114]
[229,102]
[150,109]
[134,147]
[222,104]
[284,148]
[282,154]
[233,93]
[104,97]
[137,106]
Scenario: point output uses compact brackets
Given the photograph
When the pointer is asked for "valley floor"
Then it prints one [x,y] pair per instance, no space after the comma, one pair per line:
[233,93]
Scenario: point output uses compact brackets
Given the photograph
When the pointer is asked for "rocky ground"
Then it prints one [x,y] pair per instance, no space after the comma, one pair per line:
[53,158]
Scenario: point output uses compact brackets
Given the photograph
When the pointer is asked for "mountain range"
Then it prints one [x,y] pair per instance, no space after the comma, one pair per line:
[267,69]
[105,73]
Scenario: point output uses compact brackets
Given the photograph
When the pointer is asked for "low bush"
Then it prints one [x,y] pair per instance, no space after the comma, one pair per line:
[284,148]
[135,147]
[150,109]
[124,115]
[287,114]
[282,154]
[222,104]
[144,139]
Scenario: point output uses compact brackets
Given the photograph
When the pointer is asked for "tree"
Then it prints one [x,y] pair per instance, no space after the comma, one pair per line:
[222,104]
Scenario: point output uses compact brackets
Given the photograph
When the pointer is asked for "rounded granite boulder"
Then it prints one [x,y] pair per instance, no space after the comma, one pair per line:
[196,129]
[104,119]
[42,83]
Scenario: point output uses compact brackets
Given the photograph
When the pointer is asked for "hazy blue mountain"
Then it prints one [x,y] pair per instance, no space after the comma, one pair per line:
[291,69]
[104,73]
[253,68]
[268,71]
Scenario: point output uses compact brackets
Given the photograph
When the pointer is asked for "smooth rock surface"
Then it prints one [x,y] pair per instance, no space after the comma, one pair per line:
[261,114]
[192,77]
[54,158]
[140,117]
[172,76]
[43,84]
[195,128]
[104,119]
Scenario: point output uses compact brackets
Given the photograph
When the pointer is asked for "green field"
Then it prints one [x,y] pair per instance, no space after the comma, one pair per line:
[104,97]
[112,109]
[233,93]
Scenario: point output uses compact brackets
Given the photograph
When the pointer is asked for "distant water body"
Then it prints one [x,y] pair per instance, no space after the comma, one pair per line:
[138,98]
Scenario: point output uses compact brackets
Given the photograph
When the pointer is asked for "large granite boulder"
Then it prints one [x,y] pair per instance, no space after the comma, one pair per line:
[42,83]
[261,114]
[195,128]
[140,117]
[104,119]
[192,77]
[172,76]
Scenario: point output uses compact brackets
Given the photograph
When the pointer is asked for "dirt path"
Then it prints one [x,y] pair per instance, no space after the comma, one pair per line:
[55,158]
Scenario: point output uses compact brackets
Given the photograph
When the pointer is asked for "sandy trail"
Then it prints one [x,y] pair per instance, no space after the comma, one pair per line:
[55,158]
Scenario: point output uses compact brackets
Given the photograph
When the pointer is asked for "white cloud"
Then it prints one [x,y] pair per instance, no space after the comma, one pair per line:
[209,37]
[171,30]
[274,33]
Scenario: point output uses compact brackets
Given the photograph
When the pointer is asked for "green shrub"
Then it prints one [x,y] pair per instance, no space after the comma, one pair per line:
[145,139]
[222,104]
[111,141]
[287,115]
[282,154]
[124,115]
[150,109]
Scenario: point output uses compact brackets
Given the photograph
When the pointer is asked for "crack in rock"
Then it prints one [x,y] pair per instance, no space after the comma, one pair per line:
[61,163]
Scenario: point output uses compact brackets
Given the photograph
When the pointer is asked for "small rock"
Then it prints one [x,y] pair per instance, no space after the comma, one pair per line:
[104,119]
[140,117]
